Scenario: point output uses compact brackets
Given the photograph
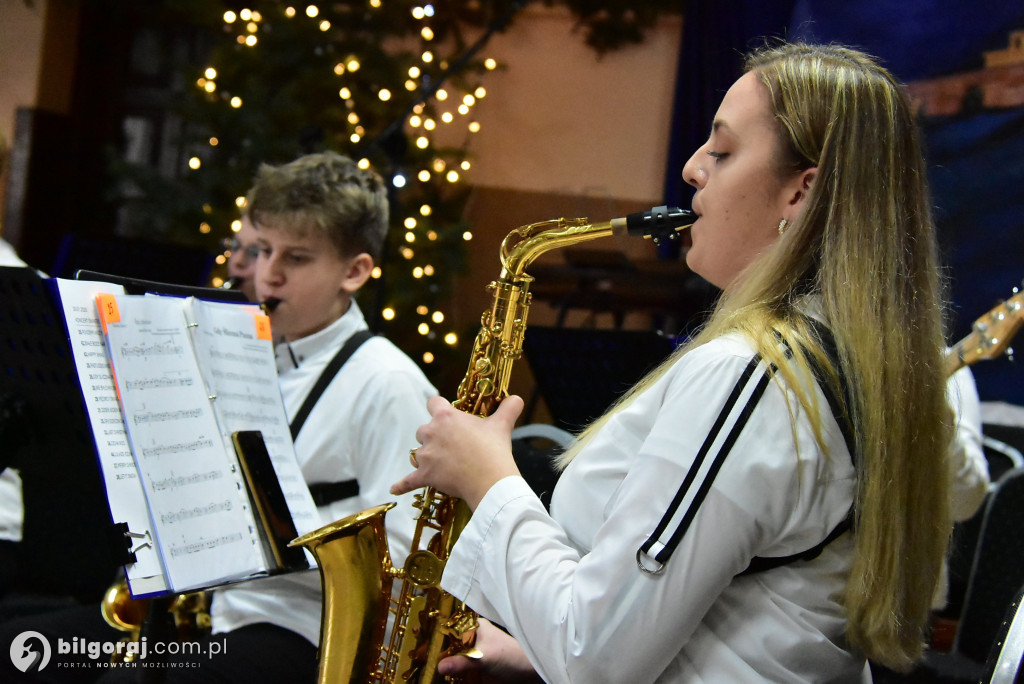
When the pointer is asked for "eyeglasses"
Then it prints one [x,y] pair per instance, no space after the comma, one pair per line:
[233,245]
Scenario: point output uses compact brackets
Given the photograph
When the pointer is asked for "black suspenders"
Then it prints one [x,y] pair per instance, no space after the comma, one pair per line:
[328,492]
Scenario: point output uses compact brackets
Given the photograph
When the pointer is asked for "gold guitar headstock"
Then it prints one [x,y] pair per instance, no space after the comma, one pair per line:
[990,334]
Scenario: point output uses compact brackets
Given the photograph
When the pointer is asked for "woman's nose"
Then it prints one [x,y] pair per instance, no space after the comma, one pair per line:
[693,174]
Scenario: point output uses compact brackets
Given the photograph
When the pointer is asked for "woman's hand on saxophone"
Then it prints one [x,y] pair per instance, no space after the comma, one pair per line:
[503,661]
[463,455]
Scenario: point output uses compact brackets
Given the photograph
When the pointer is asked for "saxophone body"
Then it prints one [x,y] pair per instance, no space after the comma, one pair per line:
[363,589]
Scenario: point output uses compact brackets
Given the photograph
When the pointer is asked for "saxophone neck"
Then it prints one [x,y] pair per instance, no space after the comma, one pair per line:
[522,246]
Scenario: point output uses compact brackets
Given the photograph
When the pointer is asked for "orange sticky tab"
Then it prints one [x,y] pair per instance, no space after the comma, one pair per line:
[263,327]
[106,304]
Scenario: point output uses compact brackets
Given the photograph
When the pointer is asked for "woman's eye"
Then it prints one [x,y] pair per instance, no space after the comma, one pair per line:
[717,156]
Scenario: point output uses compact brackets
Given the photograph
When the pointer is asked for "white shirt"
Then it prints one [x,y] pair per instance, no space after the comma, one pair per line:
[362,428]
[8,257]
[967,464]
[568,586]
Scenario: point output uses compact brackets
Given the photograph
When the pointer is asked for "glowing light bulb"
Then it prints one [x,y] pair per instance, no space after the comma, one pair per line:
[210,86]
[229,17]
[312,11]
[353,64]
[425,210]
[428,357]
[474,126]
[410,222]
[423,176]
[376,272]
[220,260]
[414,72]
[364,163]
[427,33]
[427,56]
[422,142]
[467,236]
[452,176]
[353,118]
[490,64]
[418,13]
[415,121]
[214,142]
[410,237]
[417,272]
[423,329]
[422,310]
[194,163]
[250,40]
[204,228]
[325,25]
[384,94]
[447,117]
[245,15]
[344,93]
[210,72]
[480,92]
[398,181]
[451,338]
[388,314]
[437,317]
[442,94]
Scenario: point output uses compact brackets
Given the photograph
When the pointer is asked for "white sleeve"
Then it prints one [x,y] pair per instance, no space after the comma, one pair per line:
[967,465]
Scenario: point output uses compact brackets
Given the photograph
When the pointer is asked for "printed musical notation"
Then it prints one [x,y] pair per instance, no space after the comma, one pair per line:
[167,381]
[178,444]
[125,496]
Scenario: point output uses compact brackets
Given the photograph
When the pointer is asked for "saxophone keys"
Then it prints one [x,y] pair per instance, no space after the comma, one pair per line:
[423,568]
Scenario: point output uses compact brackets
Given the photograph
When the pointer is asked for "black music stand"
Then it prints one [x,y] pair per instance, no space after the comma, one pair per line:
[580,372]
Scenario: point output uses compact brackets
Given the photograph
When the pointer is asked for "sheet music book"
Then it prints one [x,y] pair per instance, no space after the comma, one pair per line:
[183,376]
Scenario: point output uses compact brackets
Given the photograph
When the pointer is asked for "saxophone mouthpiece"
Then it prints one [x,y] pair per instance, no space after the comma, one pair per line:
[659,223]
[269,305]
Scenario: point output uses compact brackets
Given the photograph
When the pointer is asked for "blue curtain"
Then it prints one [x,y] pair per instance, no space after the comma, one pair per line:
[976,157]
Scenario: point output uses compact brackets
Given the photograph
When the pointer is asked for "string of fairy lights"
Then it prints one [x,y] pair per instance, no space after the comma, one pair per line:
[449,106]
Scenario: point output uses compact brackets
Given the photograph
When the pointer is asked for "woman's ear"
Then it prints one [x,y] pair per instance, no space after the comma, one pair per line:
[802,187]
[357,272]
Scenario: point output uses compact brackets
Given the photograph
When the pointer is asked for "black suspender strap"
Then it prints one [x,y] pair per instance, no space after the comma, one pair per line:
[329,492]
[840,411]
[332,368]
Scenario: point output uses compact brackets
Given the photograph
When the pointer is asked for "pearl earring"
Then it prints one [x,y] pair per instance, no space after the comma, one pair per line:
[782,226]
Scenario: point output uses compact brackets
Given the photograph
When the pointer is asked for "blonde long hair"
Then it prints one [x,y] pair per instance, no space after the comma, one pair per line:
[864,246]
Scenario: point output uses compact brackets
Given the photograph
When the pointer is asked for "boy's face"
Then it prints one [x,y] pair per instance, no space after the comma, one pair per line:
[303,278]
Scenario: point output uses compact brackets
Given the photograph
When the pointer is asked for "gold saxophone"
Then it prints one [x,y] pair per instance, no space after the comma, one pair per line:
[352,553]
